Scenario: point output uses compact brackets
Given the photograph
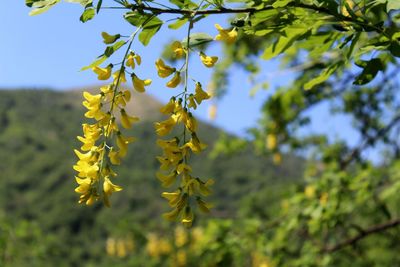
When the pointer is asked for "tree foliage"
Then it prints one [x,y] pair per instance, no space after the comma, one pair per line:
[343,54]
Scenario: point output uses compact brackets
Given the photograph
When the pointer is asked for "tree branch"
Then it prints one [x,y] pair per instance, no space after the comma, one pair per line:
[356,151]
[372,230]
[222,10]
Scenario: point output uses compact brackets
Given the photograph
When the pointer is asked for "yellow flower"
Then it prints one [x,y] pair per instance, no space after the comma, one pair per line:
[228,36]
[130,61]
[183,167]
[167,180]
[122,143]
[323,200]
[107,91]
[127,120]
[139,84]
[173,198]
[122,78]
[111,126]
[212,112]
[175,81]
[165,163]
[88,156]
[91,100]
[191,123]
[87,143]
[277,158]
[167,144]
[203,206]
[200,94]
[271,141]
[164,127]
[89,198]
[169,107]
[86,169]
[188,217]
[108,189]
[163,70]
[207,60]
[95,113]
[83,188]
[172,215]
[178,50]
[309,191]
[181,236]
[91,131]
[204,188]
[181,258]
[180,115]
[195,145]
[192,103]
[109,39]
[122,98]
[103,73]
[114,157]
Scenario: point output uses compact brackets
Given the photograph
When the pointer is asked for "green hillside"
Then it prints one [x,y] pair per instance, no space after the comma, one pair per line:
[41,223]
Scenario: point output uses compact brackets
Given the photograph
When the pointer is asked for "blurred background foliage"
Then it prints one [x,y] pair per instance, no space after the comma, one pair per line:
[42,225]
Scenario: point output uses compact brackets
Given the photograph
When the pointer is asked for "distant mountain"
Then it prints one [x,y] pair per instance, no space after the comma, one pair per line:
[37,138]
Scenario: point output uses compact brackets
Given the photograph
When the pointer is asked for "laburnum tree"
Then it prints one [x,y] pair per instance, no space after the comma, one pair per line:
[342,55]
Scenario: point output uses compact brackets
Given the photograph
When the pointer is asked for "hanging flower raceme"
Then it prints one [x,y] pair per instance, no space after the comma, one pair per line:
[103,143]
[180,143]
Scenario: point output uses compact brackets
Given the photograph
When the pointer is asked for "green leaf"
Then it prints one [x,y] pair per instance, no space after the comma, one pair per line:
[135,19]
[149,30]
[283,43]
[40,6]
[184,4]
[198,39]
[107,53]
[29,3]
[113,48]
[88,14]
[352,46]
[371,69]
[178,23]
[392,5]
[95,63]
[394,48]
[151,27]
[38,11]
[323,76]
[99,6]
[281,3]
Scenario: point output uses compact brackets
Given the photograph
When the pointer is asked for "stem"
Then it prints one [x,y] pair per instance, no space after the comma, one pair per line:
[115,89]
[373,229]
[187,73]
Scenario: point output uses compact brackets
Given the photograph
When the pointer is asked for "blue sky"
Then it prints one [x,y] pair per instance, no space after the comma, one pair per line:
[48,50]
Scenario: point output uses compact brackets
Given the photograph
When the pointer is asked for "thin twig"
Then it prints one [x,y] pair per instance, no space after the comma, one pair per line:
[363,234]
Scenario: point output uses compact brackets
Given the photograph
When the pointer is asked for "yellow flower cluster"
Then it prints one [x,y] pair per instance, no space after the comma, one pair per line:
[174,161]
[177,150]
[158,246]
[176,249]
[119,247]
[103,143]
